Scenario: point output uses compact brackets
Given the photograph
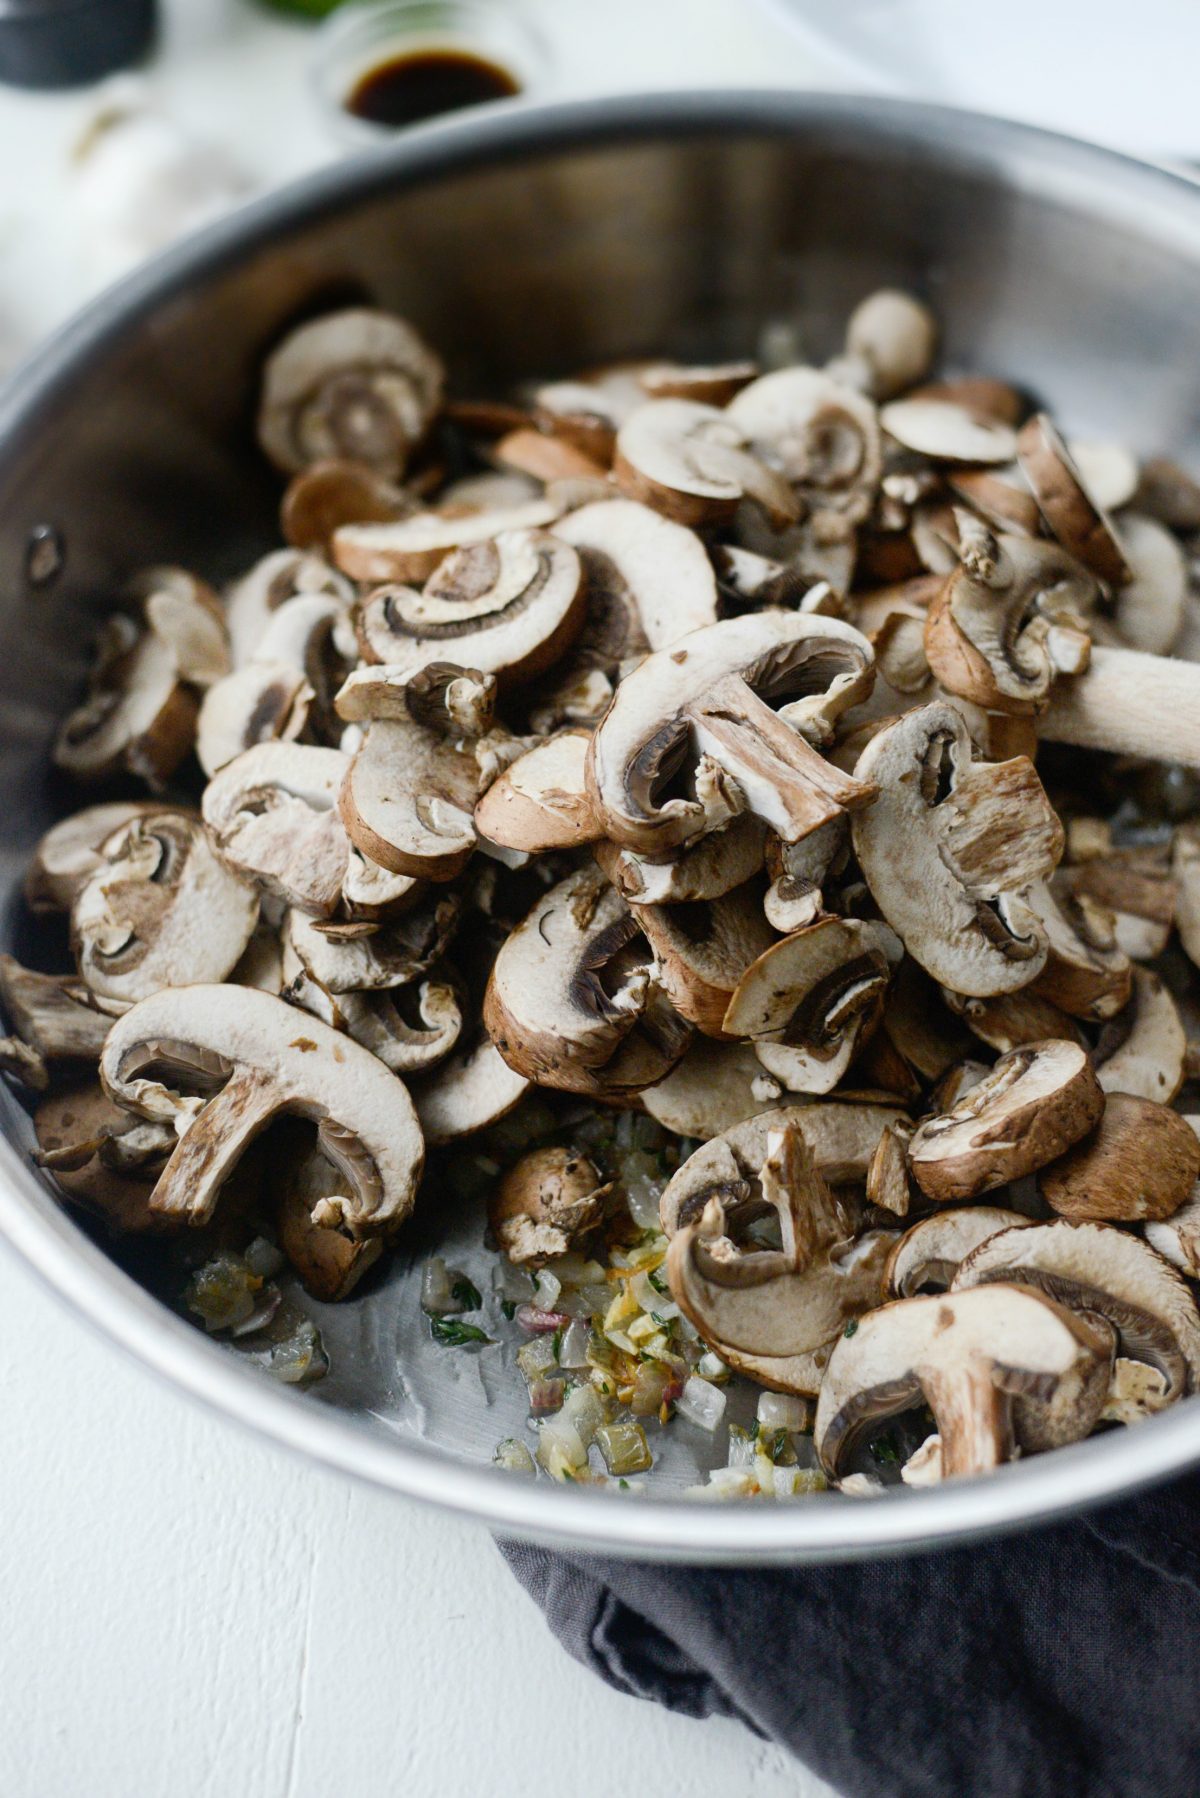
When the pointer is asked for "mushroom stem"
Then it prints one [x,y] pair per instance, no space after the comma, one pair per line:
[1132,703]
[974,1418]
[190,1184]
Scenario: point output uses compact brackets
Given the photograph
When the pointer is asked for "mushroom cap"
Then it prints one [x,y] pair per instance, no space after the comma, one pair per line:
[896,335]
[336,491]
[571,1001]
[949,849]
[69,851]
[646,734]
[1068,506]
[265,1060]
[971,1354]
[541,800]
[1096,1268]
[357,383]
[710,1090]
[160,910]
[656,566]
[1140,1163]
[545,1203]
[1149,1060]
[692,463]
[703,950]
[138,715]
[413,548]
[408,800]
[821,435]
[475,1088]
[948,432]
[273,815]
[272,583]
[1033,1104]
[931,1252]
[77,1122]
[1150,607]
[707,869]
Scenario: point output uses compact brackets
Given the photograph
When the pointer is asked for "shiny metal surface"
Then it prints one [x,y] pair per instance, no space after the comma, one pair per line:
[536,241]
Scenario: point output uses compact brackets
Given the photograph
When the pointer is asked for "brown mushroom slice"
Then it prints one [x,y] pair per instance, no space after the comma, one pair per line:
[1185,871]
[161,910]
[822,436]
[809,1000]
[381,1021]
[712,383]
[950,848]
[980,394]
[843,1138]
[412,548]
[1015,1020]
[187,615]
[328,1260]
[1009,621]
[691,462]
[1137,886]
[73,1127]
[747,581]
[372,892]
[1035,1103]
[408,800]
[711,867]
[645,562]
[541,800]
[946,432]
[1106,1272]
[473,1089]
[887,1185]
[357,383]
[367,957]
[69,852]
[1087,973]
[1000,496]
[546,457]
[336,491]
[1071,511]
[54,1014]
[273,694]
[798,872]
[273,815]
[1177,1238]
[1141,1163]
[895,334]
[703,950]
[927,1257]
[1149,609]
[708,699]
[1149,1058]
[247,1058]
[919,1025]
[978,1359]
[715,1086]
[589,409]
[273,581]
[1167,491]
[545,1204]
[138,715]
[454,700]
[572,1001]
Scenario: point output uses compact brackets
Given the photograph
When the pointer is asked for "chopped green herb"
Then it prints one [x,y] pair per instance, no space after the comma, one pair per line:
[851,1327]
[624,1485]
[556,1341]
[509,1308]
[467,1295]
[656,1280]
[753,1432]
[455,1334]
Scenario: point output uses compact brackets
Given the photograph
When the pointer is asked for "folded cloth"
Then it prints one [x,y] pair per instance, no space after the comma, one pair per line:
[1064,1661]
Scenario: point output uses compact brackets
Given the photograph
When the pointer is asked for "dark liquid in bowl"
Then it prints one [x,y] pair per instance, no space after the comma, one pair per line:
[407,89]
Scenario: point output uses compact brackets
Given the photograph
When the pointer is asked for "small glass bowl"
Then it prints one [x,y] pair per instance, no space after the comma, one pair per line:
[356,39]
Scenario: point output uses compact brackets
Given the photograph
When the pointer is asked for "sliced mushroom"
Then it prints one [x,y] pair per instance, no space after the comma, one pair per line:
[896,336]
[996,1366]
[274,580]
[1015,1020]
[1087,973]
[823,438]
[413,548]
[1148,1056]
[357,383]
[809,1000]
[475,1088]
[368,958]
[590,409]
[712,866]
[541,801]
[1035,1103]
[1137,887]
[187,615]
[708,699]
[369,891]
[1001,497]
[1140,1163]
[409,1029]
[248,1058]
[927,1257]
[273,815]
[950,848]
[271,695]
[160,910]
[703,950]
[55,1015]
[713,384]
[1149,608]
[1169,493]
[547,458]
[639,561]
[799,871]
[692,463]
[1177,1238]
[918,1024]
[572,1001]
[748,581]
[948,432]
[75,1126]
[1135,1391]
[138,715]
[408,800]
[887,1177]
[329,1261]
[545,1204]
[715,1086]
[1069,508]
[1104,1272]
[328,494]
[69,852]
[1185,870]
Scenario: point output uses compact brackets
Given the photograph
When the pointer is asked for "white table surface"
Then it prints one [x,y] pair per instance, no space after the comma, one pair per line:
[185,1609]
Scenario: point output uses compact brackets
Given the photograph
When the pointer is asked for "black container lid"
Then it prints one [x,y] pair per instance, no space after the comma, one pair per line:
[65,43]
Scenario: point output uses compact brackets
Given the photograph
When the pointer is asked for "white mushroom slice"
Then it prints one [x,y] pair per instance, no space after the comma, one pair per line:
[946,432]
[713,384]
[843,1138]
[1035,1103]
[138,715]
[369,891]
[408,800]
[822,436]
[590,409]
[810,999]
[1087,973]
[357,383]
[1008,621]
[411,549]
[572,1001]
[981,395]
[541,801]
[55,1015]
[924,1465]
[301,1180]
[1069,508]
[1150,1055]
[271,695]
[1107,1272]
[492,490]
[1149,609]
[475,1088]
[1137,887]
[955,1083]
[711,867]
[409,1029]
[273,815]
[639,559]
[1185,870]
[548,458]
[702,951]
[546,1202]
[798,872]
[364,958]
[1135,1391]
[708,698]
[69,853]
[261,964]
[260,1059]
[692,463]
[748,581]
[1177,1238]
[927,1257]
[1140,1163]
[861,1272]
[896,336]
[187,615]
[274,581]
[951,846]
[337,491]
[1000,496]
[1109,472]
[161,910]
[715,1086]
[974,1357]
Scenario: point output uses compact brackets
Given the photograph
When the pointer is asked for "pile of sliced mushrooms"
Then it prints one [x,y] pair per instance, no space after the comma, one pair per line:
[739,814]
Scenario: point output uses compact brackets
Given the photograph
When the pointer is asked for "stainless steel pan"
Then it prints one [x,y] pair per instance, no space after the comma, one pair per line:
[537,241]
